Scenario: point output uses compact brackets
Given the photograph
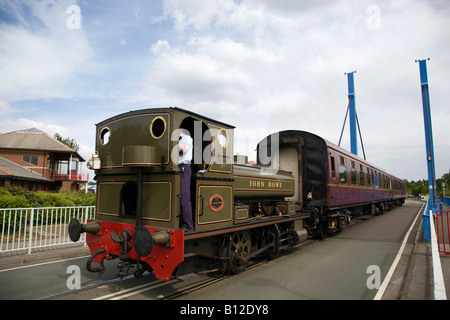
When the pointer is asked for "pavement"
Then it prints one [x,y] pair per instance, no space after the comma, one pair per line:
[412,279]
[21,258]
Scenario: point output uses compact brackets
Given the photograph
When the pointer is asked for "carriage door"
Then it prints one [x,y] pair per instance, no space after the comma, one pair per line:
[291,159]
[214,202]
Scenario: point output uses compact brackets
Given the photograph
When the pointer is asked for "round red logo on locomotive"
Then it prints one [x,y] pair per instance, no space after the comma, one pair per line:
[216,203]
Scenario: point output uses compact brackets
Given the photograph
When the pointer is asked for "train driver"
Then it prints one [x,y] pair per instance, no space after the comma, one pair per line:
[185,146]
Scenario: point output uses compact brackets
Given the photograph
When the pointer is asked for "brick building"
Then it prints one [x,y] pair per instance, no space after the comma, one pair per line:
[35,161]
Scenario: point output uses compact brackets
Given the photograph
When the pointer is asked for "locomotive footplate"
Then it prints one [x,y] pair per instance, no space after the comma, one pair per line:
[257,223]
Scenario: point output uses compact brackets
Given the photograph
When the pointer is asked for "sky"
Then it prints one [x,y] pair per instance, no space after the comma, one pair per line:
[260,65]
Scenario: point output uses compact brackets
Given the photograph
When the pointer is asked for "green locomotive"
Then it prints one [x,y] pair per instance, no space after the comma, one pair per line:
[239,210]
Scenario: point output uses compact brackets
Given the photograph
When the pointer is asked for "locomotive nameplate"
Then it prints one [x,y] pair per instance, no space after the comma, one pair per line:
[252,186]
[265,184]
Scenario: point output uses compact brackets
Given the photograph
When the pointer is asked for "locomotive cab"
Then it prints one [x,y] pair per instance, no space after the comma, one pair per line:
[145,143]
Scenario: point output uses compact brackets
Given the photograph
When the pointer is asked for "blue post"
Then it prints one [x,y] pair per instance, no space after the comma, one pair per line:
[430,148]
[352,108]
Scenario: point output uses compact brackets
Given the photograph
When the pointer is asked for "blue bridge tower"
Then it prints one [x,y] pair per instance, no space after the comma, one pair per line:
[432,201]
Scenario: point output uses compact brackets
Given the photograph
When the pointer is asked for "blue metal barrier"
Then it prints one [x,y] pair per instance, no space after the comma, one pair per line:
[426,217]
[426,223]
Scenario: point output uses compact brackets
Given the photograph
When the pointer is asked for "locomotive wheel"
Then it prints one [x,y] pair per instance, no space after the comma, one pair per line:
[238,251]
[272,236]
[322,230]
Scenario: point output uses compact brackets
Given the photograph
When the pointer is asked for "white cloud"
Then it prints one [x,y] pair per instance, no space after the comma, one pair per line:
[196,77]
[5,108]
[40,56]
[257,64]
[160,47]
[9,125]
[281,64]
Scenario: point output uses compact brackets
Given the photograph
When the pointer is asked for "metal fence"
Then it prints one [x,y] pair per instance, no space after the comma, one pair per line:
[442,223]
[438,276]
[29,228]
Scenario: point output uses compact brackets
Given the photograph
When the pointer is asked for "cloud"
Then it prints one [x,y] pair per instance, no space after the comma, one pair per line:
[256,64]
[5,108]
[198,77]
[9,125]
[281,65]
[40,56]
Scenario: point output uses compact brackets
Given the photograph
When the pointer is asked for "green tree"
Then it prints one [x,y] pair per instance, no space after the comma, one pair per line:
[420,187]
[71,143]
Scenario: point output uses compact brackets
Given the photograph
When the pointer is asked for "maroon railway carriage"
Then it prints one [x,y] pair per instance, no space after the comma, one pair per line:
[331,182]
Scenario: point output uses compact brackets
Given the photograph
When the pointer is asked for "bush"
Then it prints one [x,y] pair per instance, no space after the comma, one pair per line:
[12,201]
[17,197]
[13,197]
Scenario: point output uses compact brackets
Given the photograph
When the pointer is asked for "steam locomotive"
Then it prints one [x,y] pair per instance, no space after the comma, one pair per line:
[301,186]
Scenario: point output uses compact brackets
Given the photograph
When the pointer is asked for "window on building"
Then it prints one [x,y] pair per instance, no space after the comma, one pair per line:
[74,166]
[31,159]
[62,167]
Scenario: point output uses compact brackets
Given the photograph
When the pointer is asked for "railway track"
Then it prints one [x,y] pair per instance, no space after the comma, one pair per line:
[120,288]
[218,278]
[173,289]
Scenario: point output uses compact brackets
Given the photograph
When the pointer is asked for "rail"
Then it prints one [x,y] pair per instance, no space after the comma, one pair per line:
[438,277]
[25,229]
[442,224]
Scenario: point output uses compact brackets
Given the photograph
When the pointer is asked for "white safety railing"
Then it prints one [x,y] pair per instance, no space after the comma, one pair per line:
[30,228]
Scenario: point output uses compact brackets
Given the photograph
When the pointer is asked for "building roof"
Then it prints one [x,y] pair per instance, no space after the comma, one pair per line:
[34,139]
[11,170]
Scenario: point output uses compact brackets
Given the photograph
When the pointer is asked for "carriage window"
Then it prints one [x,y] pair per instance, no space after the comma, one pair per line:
[368,178]
[353,172]
[342,170]
[362,181]
[333,168]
